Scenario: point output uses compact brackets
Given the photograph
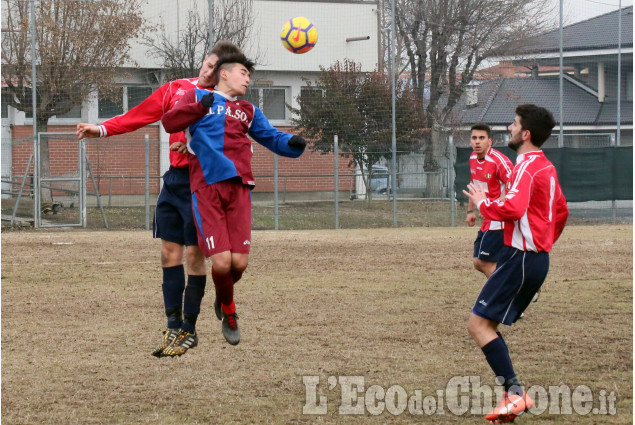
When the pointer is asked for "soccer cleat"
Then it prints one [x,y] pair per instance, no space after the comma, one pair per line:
[230,328]
[179,345]
[168,337]
[217,309]
[509,408]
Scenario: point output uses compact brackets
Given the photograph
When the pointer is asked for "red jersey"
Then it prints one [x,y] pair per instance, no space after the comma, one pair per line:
[492,174]
[534,209]
[151,110]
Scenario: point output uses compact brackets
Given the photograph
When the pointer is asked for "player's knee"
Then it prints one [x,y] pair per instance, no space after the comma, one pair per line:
[477,264]
[222,264]
[195,258]
[171,254]
[239,264]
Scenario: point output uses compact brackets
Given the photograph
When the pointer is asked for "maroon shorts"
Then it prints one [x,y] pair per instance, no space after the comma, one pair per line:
[222,212]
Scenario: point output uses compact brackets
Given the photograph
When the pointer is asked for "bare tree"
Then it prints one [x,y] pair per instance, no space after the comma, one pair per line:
[442,43]
[183,54]
[79,44]
[364,131]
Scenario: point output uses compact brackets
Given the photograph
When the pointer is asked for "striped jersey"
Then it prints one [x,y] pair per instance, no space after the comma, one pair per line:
[151,110]
[534,209]
[492,174]
[218,137]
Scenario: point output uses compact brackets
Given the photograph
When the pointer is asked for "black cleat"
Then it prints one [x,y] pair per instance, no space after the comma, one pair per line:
[168,337]
[183,341]
[230,328]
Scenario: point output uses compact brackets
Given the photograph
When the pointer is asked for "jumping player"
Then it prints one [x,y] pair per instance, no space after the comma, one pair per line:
[173,220]
[535,212]
[491,170]
[220,172]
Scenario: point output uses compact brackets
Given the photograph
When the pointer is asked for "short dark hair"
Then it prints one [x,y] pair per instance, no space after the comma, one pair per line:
[483,127]
[538,120]
[227,61]
[224,48]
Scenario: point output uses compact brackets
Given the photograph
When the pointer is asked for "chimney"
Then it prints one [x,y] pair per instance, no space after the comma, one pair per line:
[471,94]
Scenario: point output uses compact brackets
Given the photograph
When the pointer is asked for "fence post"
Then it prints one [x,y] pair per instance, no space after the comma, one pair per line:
[337,180]
[451,182]
[275,191]
[147,178]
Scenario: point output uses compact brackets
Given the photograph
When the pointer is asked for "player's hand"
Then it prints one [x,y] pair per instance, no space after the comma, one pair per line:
[86,130]
[179,147]
[207,100]
[470,219]
[297,142]
[475,193]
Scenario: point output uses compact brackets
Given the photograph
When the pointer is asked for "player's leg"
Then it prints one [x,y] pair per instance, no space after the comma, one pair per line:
[238,213]
[487,249]
[168,226]
[503,298]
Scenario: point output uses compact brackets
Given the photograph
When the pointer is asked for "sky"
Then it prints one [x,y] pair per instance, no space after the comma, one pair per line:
[580,10]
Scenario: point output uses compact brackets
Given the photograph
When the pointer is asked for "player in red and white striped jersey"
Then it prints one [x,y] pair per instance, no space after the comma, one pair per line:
[535,212]
[491,170]
[173,221]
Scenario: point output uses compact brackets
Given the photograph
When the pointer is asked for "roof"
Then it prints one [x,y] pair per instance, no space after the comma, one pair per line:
[586,35]
[498,99]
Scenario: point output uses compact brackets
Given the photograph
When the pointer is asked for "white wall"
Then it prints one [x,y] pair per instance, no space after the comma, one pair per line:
[335,22]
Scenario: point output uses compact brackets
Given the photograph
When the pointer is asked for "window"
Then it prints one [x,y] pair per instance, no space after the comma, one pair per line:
[272,101]
[5,104]
[109,108]
[75,112]
[136,95]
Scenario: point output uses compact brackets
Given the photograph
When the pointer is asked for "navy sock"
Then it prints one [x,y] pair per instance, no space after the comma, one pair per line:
[194,292]
[173,286]
[497,356]
[501,337]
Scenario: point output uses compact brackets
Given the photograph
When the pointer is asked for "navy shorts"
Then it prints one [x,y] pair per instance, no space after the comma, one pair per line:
[489,245]
[512,286]
[173,218]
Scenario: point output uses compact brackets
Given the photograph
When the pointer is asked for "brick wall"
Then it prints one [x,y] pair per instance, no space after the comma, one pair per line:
[124,156]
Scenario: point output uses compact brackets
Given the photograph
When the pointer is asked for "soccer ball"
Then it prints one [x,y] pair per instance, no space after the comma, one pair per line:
[298,35]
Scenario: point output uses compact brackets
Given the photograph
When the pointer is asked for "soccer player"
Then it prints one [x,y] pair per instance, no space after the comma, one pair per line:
[491,170]
[220,172]
[535,212]
[173,220]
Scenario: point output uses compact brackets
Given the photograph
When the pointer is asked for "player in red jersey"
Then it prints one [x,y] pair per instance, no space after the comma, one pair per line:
[221,177]
[535,212]
[491,170]
[173,221]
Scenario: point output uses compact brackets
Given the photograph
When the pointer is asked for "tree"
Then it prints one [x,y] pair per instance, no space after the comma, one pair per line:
[356,107]
[79,44]
[182,55]
[442,43]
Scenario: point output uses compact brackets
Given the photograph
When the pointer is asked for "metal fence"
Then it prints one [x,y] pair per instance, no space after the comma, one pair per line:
[125,198]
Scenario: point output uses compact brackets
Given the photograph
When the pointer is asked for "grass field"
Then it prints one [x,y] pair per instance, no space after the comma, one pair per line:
[82,310]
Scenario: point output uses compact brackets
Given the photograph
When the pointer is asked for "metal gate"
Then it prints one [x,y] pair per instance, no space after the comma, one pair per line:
[60,193]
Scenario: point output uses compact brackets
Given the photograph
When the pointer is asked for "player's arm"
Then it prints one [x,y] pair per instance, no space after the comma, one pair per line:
[147,112]
[186,111]
[512,207]
[470,218]
[562,213]
[283,144]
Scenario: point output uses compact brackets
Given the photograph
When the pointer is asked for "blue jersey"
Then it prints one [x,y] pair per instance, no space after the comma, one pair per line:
[217,137]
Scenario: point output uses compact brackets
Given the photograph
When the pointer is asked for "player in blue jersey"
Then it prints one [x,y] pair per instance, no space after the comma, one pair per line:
[217,125]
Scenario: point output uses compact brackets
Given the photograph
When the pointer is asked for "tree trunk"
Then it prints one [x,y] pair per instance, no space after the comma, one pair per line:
[45,159]
[434,154]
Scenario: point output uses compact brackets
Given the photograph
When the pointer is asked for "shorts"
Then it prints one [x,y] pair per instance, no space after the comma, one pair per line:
[489,245]
[222,213]
[173,219]
[512,286]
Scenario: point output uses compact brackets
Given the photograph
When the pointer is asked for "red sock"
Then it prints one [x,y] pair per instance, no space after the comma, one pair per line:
[229,309]
[224,284]
[236,275]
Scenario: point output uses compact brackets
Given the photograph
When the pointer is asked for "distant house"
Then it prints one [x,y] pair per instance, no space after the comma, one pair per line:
[590,83]
[346,29]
